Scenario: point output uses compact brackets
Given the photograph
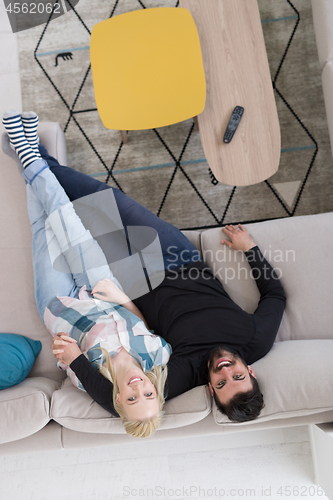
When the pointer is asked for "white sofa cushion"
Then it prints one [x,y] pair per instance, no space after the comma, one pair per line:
[294,248]
[295,378]
[53,138]
[194,237]
[24,408]
[75,410]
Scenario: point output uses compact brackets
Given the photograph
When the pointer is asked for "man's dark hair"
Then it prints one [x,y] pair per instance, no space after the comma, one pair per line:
[243,406]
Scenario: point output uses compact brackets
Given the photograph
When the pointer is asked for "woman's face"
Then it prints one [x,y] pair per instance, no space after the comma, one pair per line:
[137,395]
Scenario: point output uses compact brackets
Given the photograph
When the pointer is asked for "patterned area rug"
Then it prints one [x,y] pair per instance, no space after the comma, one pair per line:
[155,167]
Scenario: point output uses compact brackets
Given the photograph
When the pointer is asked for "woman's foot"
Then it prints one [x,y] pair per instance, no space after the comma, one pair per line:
[30,123]
[14,127]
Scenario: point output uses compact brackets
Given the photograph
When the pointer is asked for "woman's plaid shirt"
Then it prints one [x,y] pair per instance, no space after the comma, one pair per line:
[94,323]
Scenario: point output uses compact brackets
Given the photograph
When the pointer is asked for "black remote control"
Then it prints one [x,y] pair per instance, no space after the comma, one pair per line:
[233,123]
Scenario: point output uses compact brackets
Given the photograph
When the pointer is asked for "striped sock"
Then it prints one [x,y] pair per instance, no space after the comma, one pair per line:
[30,124]
[15,131]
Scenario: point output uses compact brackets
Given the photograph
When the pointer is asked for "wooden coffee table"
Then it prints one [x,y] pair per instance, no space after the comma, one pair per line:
[237,73]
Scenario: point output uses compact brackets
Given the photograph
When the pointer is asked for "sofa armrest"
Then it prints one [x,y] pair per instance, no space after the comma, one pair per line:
[322,11]
[327,81]
[53,138]
[25,408]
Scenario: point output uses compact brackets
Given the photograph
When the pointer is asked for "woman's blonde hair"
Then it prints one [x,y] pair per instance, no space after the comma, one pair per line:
[157,376]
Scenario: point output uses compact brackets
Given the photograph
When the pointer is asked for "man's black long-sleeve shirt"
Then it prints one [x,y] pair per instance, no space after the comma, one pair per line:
[191,310]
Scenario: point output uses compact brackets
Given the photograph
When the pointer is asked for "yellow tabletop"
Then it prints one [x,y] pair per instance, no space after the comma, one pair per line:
[147,69]
[237,74]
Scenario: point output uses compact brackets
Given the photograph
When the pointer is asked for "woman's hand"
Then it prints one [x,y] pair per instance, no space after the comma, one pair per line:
[239,236]
[110,292]
[65,348]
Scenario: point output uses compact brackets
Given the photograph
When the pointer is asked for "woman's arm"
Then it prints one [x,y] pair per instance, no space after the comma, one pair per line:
[108,291]
[133,309]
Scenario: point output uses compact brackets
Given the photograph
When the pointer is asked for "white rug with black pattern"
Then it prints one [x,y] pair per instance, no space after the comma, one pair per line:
[166,169]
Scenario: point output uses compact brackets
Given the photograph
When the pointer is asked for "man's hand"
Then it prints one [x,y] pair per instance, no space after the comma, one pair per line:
[240,238]
[65,348]
[108,291]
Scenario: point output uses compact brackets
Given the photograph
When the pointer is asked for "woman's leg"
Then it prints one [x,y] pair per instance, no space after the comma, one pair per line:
[48,282]
[86,260]
[176,248]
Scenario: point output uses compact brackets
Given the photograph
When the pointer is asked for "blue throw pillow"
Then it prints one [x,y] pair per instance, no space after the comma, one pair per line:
[17,357]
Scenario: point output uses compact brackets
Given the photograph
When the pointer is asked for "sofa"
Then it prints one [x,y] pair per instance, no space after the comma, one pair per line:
[46,412]
[322,11]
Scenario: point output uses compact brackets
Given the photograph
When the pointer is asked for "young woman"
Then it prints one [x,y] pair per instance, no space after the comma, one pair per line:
[83,306]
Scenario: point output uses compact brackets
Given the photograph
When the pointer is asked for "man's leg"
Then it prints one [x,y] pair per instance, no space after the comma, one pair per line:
[76,184]
[176,248]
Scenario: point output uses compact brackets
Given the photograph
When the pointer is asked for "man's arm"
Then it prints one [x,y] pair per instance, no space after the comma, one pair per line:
[240,238]
[266,278]
[268,315]
[182,376]
[95,384]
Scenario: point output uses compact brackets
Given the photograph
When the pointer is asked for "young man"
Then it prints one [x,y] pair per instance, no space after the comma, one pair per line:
[213,340]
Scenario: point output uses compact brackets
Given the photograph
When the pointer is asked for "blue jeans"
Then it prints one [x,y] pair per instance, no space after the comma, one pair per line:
[58,235]
[176,248]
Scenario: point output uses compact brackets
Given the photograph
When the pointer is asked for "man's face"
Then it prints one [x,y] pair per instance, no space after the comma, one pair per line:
[228,374]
